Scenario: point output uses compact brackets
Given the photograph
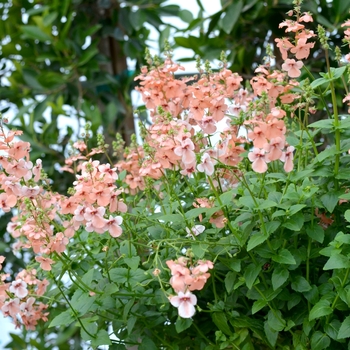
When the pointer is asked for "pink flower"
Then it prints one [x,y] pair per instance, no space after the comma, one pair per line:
[45,263]
[207,165]
[259,160]
[113,226]
[186,151]
[19,288]
[185,303]
[292,67]
[287,158]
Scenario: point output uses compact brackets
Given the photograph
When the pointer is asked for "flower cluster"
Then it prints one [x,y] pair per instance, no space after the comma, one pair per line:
[186,278]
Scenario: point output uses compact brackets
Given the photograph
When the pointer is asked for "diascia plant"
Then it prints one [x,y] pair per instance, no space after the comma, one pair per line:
[226,229]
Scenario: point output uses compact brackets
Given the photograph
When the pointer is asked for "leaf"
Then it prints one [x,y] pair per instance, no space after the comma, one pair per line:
[186,16]
[147,344]
[318,82]
[49,18]
[322,124]
[344,330]
[199,249]
[347,215]
[230,281]
[232,14]
[65,318]
[258,305]
[221,322]
[320,341]
[320,309]
[284,257]
[271,334]
[119,275]
[295,222]
[330,200]
[279,276]
[171,218]
[275,320]
[316,232]
[137,19]
[337,261]
[133,262]
[250,274]
[182,324]
[300,284]
[255,240]
[34,32]
[87,55]
[102,338]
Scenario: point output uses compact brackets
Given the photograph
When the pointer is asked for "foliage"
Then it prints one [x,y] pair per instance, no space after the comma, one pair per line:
[226,229]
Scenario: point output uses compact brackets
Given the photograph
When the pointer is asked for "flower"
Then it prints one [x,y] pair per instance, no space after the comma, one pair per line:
[195,230]
[292,67]
[19,288]
[185,303]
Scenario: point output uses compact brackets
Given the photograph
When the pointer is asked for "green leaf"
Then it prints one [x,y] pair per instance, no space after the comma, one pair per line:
[133,262]
[186,16]
[318,82]
[34,32]
[344,330]
[316,232]
[49,18]
[284,257]
[182,324]
[279,276]
[258,305]
[127,249]
[300,284]
[295,222]
[199,249]
[250,274]
[322,124]
[230,281]
[171,218]
[256,239]
[102,338]
[347,215]
[147,344]
[83,302]
[332,329]
[271,334]
[137,19]
[232,14]
[272,226]
[320,309]
[65,318]
[221,322]
[337,261]
[320,341]
[330,200]
[275,320]
[266,204]
[119,275]
[87,55]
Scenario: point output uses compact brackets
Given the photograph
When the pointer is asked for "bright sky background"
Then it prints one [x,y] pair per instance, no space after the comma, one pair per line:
[211,7]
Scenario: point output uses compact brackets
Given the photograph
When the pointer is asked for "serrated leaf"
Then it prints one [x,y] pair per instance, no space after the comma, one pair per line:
[119,275]
[320,309]
[255,240]
[271,334]
[199,249]
[102,338]
[337,261]
[275,320]
[316,232]
[279,276]
[147,344]
[300,284]
[330,200]
[65,318]
[284,257]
